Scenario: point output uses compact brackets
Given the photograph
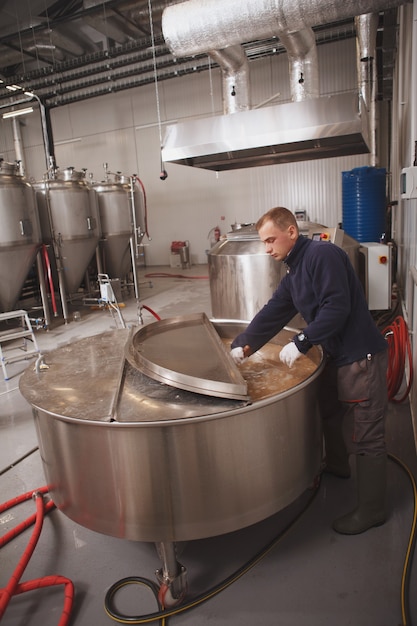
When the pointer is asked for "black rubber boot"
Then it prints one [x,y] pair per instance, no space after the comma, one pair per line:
[337,457]
[371,485]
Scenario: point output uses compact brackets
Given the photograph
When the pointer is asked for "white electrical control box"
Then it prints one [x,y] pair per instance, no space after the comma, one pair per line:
[408,182]
[378,275]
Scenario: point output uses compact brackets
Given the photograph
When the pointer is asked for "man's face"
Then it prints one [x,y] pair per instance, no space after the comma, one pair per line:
[278,243]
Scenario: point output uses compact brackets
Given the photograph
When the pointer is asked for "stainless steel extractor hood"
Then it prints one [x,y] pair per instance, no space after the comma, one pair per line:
[317,128]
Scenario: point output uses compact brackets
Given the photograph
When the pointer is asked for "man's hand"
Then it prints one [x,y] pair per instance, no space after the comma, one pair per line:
[238,355]
[289,354]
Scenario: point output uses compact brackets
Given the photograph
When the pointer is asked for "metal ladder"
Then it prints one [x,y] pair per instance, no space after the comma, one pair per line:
[24,332]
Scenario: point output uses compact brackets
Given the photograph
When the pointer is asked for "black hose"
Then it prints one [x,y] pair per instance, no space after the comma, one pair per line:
[164,614]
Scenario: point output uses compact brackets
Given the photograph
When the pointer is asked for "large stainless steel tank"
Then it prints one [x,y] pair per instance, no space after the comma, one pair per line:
[19,233]
[119,203]
[242,276]
[69,219]
[131,457]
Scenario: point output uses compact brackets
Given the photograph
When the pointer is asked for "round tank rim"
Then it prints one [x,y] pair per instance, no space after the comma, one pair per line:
[259,404]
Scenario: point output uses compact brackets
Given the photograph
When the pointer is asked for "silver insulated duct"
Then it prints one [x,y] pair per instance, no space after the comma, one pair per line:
[309,127]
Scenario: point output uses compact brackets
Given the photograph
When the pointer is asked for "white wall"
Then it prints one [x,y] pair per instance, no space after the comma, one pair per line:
[123,130]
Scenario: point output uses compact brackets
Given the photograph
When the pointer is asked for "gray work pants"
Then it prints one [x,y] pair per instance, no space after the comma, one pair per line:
[356,396]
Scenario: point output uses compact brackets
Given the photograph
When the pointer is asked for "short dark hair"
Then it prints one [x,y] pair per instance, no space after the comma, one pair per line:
[280,216]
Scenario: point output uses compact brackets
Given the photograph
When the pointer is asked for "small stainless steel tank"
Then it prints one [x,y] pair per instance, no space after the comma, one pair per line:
[242,276]
[19,233]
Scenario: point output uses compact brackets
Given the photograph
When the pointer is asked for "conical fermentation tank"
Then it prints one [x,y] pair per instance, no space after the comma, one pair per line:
[121,218]
[20,236]
[69,219]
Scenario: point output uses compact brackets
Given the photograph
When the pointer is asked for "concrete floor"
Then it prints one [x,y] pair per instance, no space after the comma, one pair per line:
[311,577]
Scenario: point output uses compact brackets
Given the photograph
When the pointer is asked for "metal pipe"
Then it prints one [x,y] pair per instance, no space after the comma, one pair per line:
[133,240]
[46,126]
[366,31]
[99,261]
[196,26]
[413,94]
[172,575]
[167,554]
[42,285]
[46,131]
[235,84]
[134,269]
[302,57]
[62,290]
[50,279]
[18,145]
[133,210]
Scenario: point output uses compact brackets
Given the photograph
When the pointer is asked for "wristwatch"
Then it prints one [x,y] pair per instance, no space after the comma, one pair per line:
[302,342]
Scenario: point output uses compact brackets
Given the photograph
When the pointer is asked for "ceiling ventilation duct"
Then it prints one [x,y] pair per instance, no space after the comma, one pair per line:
[309,127]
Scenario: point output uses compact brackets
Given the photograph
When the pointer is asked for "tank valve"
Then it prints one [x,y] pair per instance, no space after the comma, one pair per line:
[172,576]
[172,589]
[40,364]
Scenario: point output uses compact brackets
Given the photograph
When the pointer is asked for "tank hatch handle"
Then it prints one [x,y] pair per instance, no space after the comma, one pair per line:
[25,227]
[91,223]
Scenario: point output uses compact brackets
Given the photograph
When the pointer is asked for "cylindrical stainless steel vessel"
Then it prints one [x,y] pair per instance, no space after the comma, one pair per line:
[175,465]
[19,233]
[119,203]
[242,276]
[69,219]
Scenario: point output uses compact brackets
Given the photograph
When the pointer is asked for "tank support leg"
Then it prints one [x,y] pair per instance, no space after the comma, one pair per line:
[42,285]
[172,577]
[63,295]
[134,267]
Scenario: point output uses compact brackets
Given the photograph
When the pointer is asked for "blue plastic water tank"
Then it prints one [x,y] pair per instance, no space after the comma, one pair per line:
[363,203]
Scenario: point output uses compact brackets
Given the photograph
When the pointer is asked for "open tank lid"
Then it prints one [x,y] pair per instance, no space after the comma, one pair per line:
[187,352]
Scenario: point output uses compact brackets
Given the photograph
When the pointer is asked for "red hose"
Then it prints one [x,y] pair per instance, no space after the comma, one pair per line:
[50,581]
[399,346]
[50,280]
[14,532]
[14,587]
[151,311]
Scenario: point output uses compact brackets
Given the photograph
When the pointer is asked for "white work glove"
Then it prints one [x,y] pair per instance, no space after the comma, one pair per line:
[289,354]
[238,355]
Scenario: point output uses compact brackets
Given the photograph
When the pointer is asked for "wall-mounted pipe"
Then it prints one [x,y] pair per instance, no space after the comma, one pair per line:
[366,31]
[45,122]
[47,134]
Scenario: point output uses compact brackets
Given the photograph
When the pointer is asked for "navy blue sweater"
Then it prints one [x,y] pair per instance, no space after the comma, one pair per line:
[322,286]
